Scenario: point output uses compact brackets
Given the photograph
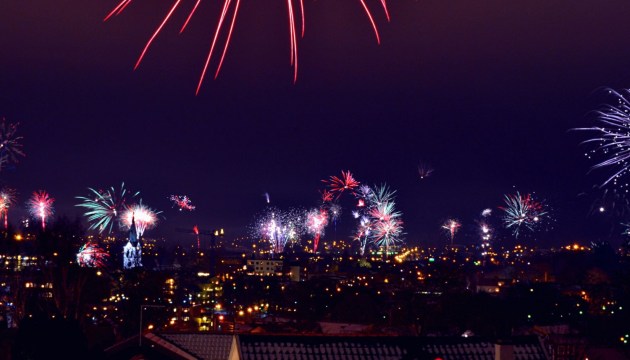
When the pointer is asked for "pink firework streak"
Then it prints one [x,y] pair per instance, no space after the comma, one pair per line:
[40,205]
[225,25]
[316,221]
[340,184]
[196,232]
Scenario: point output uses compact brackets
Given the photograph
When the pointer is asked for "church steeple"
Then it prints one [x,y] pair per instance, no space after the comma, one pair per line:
[132,252]
[133,233]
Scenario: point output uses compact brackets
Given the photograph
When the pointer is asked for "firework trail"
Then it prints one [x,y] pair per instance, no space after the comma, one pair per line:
[10,146]
[486,212]
[196,232]
[103,207]
[40,205]
[522,211]
[267,198]
[424,170]
[338,185]
[316,221]
[451,226]
[7,199]
[90,255]
[225,28]
[280,228]
[182,202]
[145,218]
[612,137]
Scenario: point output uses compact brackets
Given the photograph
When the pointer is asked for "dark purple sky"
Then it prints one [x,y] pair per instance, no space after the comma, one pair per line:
[483,90]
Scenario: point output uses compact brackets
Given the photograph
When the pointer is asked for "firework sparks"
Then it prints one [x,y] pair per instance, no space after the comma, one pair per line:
[486,231]
[103,207]
[381,195]
[225,27]
[486,212]
[451,227]
[280,228]
[267,198]
[316,221]
[327,196]
[424,170]
[612,137]
[522,211]
[7,199]
[386,226]
[145,218]
[40,205]
[90,255]
[182,202]
[364,232]
[340,184]
[10,146]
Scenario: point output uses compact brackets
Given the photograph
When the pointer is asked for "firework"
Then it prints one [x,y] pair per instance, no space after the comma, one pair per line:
[386,228]
[145,218]
[280,228]
[10,146]
[613,201]
[90,255]
[196,232]
[612,137]
[7,199]
[485,230]
[381,195]
[225,28]
[40,205]
[327,196]
[335,212]
[486,212]
[267,198]
[522,212]
[182,202]
[424,170]
[340,184]
[316,221]
[451,227]
[387,233]
[364,233]
[103,207]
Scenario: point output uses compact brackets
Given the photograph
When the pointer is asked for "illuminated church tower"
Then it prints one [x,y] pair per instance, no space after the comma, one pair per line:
[132,252]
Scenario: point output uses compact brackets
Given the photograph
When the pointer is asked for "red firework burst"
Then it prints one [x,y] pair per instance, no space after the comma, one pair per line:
[340,184]
[225,26]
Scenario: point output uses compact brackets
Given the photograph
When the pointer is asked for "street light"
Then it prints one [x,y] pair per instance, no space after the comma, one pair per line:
[142,307]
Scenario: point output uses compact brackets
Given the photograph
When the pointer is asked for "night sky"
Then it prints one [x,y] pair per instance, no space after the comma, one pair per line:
[484,91]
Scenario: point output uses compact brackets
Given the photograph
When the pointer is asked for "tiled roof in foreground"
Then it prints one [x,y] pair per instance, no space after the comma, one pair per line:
[202,346]
[276,347]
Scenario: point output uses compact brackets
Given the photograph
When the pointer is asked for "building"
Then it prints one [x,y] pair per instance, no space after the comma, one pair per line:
[264,267]
[132,252]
